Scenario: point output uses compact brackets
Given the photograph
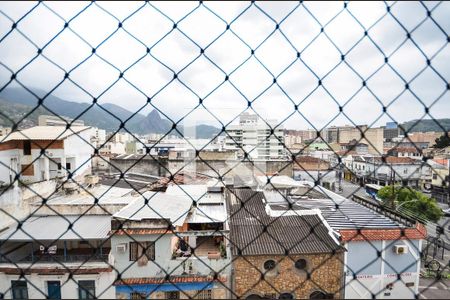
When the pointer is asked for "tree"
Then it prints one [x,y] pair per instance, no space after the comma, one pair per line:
[442,142]
[416,202]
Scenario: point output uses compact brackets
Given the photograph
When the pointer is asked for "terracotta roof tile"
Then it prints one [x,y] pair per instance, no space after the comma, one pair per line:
[419,232]
[143,231]
[171,279]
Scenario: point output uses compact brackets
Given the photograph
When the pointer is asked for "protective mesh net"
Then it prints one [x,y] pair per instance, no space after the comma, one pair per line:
[132,214]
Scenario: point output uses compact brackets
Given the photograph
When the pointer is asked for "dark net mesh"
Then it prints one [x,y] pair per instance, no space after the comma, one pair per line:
[224,150]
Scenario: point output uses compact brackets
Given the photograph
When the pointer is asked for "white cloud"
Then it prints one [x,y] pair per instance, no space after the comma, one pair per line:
[252,26]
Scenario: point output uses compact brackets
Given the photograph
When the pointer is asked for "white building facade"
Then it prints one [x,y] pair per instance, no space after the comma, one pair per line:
[258,139]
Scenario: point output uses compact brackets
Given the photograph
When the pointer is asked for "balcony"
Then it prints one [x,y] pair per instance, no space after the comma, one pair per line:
[70,256]
[206,246]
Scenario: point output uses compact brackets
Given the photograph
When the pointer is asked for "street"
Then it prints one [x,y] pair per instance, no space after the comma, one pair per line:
[434,289]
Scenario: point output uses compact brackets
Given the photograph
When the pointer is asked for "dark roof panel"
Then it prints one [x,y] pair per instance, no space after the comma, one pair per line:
[255,232]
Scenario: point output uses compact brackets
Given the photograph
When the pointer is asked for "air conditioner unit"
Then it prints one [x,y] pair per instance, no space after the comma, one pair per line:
[400,249]
[121,248]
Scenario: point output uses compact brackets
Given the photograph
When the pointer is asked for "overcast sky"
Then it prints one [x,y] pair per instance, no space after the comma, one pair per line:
[228,53]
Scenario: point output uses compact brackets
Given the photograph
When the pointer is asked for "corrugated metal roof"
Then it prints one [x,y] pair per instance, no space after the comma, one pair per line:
[339,212]
[45,133]
[254,232]
[157,205]
[86,227]
[215,213]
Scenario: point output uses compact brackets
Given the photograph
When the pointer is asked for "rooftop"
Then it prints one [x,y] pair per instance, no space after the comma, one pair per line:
[173,207]
[47,133]
[55,227]
[339,212]
[254,232]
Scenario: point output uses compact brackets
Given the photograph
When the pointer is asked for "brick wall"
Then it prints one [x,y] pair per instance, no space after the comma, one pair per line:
[325,271]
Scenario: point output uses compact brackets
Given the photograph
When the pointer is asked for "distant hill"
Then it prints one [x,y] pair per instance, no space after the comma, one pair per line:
[18,105]
[427,125]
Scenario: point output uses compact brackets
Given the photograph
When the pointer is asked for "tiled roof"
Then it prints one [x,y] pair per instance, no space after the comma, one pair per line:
[171,279]
[143,231]
[45,133]
[419,232]
[254,232]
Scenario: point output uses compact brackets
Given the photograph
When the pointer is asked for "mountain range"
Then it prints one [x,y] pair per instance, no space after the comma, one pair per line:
[21,107]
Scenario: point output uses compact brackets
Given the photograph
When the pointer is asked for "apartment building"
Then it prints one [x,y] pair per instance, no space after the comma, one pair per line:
[165,247]
[47,120]
[412,152]
[57,257]
[45,152]
[260,140]
[373,137]
[383,171]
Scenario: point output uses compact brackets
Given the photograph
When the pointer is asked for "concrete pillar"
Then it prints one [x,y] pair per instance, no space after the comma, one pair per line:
[63,166]
[46,168]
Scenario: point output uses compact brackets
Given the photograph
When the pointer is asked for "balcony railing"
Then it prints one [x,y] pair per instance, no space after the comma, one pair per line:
[57,258]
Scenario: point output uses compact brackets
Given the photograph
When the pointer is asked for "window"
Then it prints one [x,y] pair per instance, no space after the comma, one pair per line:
[320,295]
[301,264]
[286,296]
[204,294]
[19,289]
[139,249]
[26,147]
[172,295]
[68,166]
[269,265]
[137,296]
[59,166]
[86,289]
[54,289]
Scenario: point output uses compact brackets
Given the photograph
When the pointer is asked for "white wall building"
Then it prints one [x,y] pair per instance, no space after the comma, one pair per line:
[254,136]
[46,120]
[48,252]
[44,152]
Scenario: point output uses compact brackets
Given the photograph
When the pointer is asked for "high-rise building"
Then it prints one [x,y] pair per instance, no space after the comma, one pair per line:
[260,140]
[46,120]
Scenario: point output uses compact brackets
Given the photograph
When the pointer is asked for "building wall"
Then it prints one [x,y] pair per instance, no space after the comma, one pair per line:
[373,273]
[163,259]
[15,201]
[163,167]
[373,137]
[325,269]
[78,148]
[9,168]
[37,283]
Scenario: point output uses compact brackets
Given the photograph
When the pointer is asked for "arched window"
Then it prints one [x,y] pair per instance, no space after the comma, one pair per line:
[301,264]
[286,296]
[320,295]
[269,265]
[253,297]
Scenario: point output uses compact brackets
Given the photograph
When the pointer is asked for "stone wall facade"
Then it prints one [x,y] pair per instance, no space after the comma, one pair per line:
[325,275]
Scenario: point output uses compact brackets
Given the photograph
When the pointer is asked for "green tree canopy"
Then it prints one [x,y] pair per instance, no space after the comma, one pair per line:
[442,142]
[417,203]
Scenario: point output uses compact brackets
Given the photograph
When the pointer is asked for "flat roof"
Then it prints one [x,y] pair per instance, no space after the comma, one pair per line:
[338,211]
[45,133]
[105,195]
[56,227]
[158,205]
